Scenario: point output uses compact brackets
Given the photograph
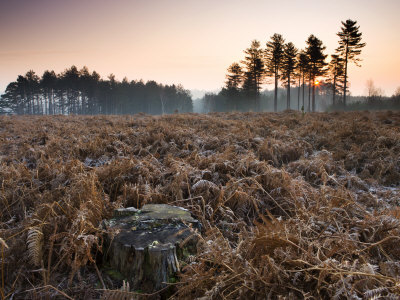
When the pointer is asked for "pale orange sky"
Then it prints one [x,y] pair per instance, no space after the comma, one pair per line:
[184,41]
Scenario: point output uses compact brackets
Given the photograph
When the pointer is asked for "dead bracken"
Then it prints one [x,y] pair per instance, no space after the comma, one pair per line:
[291,205]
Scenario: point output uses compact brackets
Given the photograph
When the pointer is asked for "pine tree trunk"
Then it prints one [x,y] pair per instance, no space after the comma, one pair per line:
[276,92]
[309,95]
[51,109]
[63,104]
[298,93]
[257,103]
[42,107]
[313,96]
[303,89]
[46,103]
[334,91]
[345,75]
[288,94]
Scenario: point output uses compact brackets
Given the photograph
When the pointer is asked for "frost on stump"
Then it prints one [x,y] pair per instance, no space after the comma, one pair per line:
[148,245]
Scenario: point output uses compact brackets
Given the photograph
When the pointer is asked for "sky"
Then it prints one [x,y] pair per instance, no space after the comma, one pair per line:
[188,42]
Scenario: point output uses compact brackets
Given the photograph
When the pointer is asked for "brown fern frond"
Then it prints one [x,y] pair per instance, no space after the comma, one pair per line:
[123,293]
[203,184]
[35,245]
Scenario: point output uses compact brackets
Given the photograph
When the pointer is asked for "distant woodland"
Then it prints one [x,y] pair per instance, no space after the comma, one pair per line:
[282,64]
[81,92]
[302,80]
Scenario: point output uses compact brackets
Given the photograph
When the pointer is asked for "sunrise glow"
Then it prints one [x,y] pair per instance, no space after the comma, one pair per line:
[186,42]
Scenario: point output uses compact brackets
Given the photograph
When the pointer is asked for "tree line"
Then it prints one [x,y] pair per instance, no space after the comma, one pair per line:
[82,92]
[374,100]
[282,62]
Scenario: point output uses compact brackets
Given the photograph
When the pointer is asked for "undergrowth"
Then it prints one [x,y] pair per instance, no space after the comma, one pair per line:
[292,206]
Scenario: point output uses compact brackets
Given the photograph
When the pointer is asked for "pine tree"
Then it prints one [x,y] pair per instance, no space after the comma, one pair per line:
[94,91]
[234,80]
[254,72]
[83,84]
[303,69]
[336,76]
[349,47]
[316,58]
[11,100]
[80,92]
[48,84]
[31,89]
[273,58]
[289,64]
[234,77]
[69,82]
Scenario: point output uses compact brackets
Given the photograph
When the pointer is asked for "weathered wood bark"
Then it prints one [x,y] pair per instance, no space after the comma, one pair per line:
[147,246]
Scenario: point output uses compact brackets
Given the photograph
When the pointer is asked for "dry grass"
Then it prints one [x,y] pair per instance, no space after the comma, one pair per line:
[292,206]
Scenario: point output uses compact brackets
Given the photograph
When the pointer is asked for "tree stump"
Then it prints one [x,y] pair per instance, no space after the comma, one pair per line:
[147,246]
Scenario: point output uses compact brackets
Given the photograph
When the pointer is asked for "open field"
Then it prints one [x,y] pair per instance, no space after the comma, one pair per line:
[291,205]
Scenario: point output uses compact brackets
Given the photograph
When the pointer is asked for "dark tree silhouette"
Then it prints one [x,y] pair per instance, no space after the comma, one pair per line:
[303,66]
[31,90]
[232,89]
[316,58]
[254,72]
[289,64]
[273,58]
[81,92]
[71,78]
[48,84]
[349,47]
[336,76]
[11,100]
[234,77]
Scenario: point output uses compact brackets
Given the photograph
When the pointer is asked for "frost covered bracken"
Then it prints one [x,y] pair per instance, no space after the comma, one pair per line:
[292,205]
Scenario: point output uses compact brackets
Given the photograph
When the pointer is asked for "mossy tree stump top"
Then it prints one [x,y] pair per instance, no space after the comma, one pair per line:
[148,245]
